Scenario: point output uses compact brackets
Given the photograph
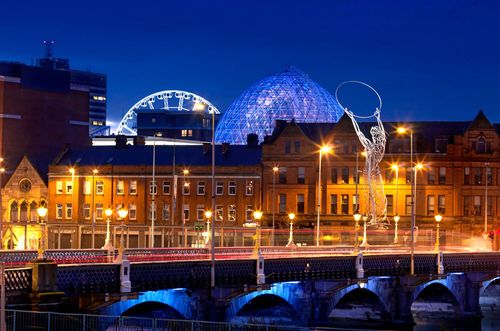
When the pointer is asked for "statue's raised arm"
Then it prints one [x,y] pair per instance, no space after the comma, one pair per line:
[362,138]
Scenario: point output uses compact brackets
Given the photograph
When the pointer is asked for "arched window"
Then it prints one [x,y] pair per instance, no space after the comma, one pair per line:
[481,145]
[14,216]
[24,211]
[33,212]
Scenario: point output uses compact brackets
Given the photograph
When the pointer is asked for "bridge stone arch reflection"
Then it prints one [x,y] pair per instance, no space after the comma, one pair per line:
[292,293]
[178,299]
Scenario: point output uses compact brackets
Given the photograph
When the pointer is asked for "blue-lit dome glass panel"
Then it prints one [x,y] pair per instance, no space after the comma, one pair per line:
[287,95]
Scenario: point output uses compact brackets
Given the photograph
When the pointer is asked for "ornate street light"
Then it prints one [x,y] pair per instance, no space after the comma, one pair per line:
[323,150]
[357,217]
[438,219]
[122,213]
[107,244]
[290,243]
[364,243]
[42,212]
[209,239]
[275,170]
[94,173]
[257,215]
[185,172]
[396,220]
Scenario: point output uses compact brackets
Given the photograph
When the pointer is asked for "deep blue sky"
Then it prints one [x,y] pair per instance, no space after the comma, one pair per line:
[430,60]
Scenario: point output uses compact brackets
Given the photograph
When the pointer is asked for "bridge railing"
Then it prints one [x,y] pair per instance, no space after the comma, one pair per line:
[19,279]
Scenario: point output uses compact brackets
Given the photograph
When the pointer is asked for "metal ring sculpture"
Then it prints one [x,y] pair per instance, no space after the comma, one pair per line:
[376,201]
[164,101]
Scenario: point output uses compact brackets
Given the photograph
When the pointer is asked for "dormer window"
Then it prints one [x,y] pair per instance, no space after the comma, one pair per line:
[481,145]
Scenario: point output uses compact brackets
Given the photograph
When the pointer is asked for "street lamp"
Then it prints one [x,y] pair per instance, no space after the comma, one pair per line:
[42,212]
[94,173]
[122,213]
[290,243]
[323,150]
[357,217]
[275,170]
[486,175]
[395,168]
[201,107]
[364,243]
[403,130]
[185,172]
[107,244]
[396,220]
[209,239]
[438,219]
[153,195]
[257,215]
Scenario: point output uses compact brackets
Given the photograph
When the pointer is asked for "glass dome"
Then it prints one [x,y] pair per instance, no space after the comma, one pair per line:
[287,95]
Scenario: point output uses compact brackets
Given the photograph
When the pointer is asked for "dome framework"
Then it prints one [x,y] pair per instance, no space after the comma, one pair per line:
[287,95]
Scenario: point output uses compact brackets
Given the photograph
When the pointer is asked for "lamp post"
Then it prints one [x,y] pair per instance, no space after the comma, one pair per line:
[185,172]
[290,243]
[364,243]
[438,219]
[122,213]
[209,239]
[357,217]
[395,168]
[2,170]
[396,220]
[153,195]
[402,130]
[42,212]
[107,244]
[94,172]
[275,170]
[485,233]
[257,215]
[324,149]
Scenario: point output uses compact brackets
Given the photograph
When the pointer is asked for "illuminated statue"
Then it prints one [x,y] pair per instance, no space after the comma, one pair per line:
[376,201]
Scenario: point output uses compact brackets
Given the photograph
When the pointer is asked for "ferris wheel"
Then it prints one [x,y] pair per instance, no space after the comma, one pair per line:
[167,100]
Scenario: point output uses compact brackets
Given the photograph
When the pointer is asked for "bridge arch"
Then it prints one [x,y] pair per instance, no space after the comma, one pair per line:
[489,295]
[290,292]
[439,295]
[177,299]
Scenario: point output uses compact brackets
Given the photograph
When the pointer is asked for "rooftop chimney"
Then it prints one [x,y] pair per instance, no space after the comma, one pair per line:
[121,141]
[252,140]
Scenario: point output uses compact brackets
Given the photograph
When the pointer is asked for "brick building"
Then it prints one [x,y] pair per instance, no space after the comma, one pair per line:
[114,177]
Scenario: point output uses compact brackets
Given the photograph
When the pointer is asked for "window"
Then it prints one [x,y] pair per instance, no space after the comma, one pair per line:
[187,133]
[345,204]
[166,212]
[334,177]
[441,204]
[59,209]
[152,211]
[152,188]
[59,189]
[282,175]
[69,211]
[249,187]
[477,175]
[120,187]
[288,147]
[442,175]
[69,187]
[132,212]
[333,204]
[200,212]
[441,145]
[185,212]
[389,176]
[132,187]
[219,213]
[231,188]
[345,148]
[408,175]
[430,205]
[300,203]
[98,211]
[301,175]
[297,146]
[231,213]
[489,207]
[219,188]
[489,177]
[345,175]
[282,204]
[166,188]
[201,188]
[390,204]
[466,206]
[86,211]
[466,175]
[477,206]
[481,146]
[408,205]
[186,189]
[249,213]
[431,176]
[99,187]
[87,187]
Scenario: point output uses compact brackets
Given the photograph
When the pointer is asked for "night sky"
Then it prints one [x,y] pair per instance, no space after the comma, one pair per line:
[430,60]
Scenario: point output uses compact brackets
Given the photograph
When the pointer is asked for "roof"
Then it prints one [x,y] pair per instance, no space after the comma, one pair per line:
[236,155]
